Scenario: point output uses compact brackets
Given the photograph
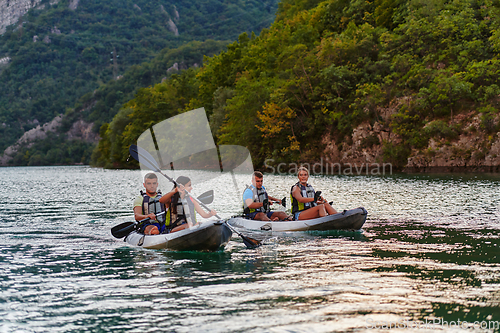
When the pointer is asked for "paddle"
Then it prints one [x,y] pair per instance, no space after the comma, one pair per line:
[283,202]
[123,229]
[144,157]
[207,197]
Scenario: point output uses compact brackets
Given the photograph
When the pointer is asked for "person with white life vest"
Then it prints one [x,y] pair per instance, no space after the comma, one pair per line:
[153,205]
[306,203]
[183,208]
[256,201]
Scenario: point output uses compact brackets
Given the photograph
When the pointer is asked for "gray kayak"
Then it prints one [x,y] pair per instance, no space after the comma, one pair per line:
[352,219]
[206,236]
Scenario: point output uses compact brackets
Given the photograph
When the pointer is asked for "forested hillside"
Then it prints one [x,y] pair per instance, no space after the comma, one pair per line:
[85,62]
[414,83]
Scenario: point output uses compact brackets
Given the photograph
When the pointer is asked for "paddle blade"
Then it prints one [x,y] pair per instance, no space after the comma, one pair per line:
[207,197]
[122,230]
[144,157]
[250,242]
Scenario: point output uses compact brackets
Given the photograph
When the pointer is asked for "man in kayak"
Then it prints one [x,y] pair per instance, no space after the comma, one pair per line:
[306,203]
[256,201]
[153,205]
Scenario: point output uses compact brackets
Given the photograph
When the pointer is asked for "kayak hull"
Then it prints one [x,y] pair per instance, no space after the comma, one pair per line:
[207,236]
[352,219]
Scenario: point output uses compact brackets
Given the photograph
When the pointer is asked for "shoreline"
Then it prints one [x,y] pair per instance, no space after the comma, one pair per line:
[343,170]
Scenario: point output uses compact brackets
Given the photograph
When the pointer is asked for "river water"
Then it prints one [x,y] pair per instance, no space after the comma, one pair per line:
[427,259]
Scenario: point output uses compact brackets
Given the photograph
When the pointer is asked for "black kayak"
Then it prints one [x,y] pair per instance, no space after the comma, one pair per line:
[206,236]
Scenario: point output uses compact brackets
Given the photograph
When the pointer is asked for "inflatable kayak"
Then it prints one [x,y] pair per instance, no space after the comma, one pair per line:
[206,236]
[352,219]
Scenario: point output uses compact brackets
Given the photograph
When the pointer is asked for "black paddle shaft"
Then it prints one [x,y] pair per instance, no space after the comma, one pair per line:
[125,228]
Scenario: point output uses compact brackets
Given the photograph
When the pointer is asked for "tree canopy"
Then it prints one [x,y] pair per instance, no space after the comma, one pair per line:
[323,67]
[65,61]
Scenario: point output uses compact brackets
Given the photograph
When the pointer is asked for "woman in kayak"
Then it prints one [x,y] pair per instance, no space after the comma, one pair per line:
[183,207]
[306,203]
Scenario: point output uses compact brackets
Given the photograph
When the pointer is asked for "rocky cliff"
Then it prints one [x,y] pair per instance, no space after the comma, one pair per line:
[80,130]
[12,10]
[474,149]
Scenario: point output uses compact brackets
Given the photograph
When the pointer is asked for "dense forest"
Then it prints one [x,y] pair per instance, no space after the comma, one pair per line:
[415,68]
[85,63]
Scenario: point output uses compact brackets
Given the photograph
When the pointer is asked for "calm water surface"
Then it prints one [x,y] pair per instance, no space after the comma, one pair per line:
[427,255]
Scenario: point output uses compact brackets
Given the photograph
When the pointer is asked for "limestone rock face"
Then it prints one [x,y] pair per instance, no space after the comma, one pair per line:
[73,4]
[40,132]
[28,138]
[12,10]
[472,150]
[493,157]
[364,149]
[80,130]
[363,153]
[83,131]
[173,68]
[176,13]
[172,27]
